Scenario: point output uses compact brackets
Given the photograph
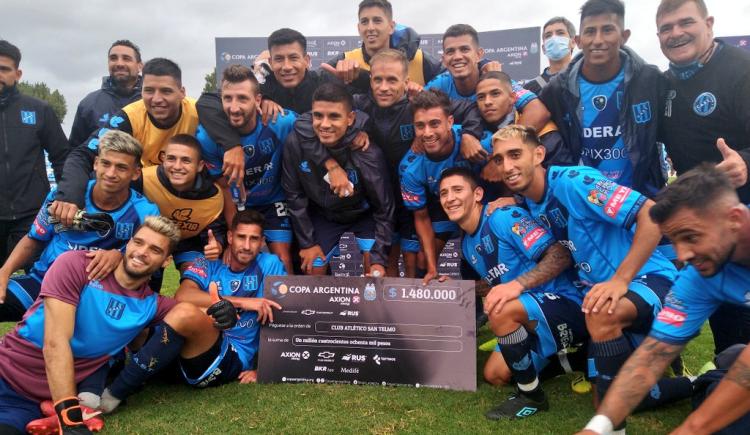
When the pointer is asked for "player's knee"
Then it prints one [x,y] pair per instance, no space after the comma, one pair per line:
[508,319]
[602,325]
[183,317]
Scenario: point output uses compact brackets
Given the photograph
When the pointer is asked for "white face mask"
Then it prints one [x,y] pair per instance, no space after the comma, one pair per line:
[557,47]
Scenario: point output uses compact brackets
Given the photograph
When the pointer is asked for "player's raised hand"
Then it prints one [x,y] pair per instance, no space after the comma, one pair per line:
[472,150]
[264,307]
[212,250]
[63,212]
[270,111]
[223,312]
[347,70]
[732,164]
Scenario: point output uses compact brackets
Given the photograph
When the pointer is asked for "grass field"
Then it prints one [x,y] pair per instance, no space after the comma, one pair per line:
[318,409]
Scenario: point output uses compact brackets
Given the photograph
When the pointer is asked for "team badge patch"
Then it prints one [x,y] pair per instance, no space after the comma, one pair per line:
[115,309]
[407,131]
[642,112]
[123,230]
[599,102]
[249,150]
[250,283]
[704,104]
[489,247]
[28,117]
[266,146]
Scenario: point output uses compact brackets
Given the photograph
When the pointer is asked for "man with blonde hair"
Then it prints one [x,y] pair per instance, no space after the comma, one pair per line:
[102,228]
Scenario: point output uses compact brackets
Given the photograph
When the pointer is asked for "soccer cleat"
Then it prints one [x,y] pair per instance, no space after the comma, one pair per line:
[50,425]
[579,384]
[518,405]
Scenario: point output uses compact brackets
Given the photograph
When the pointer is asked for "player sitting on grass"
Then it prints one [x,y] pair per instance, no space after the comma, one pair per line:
[534,309]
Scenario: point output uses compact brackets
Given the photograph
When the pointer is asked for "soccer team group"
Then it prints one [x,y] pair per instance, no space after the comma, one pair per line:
[584,258]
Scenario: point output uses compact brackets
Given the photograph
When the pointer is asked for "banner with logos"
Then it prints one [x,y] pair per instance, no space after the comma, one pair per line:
[368,331]
[738,41]
[517,49]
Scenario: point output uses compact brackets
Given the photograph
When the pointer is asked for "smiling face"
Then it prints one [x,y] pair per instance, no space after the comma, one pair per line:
[684,34]
[330,121]
[123,65]
[240,102]
[458,199]
[461,56]
[182,164]
[388,81]
[163,97]
[289,63]
[516,162]
[494,99]
[433,128]
[245,243]
[145,253]
[114,172]
[600,40]
[375,29]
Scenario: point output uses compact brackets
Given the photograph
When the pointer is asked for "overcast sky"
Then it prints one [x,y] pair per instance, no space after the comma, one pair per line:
[65,43]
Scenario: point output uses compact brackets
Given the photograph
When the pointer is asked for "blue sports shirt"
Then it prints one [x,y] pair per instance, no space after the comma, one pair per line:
[444,82]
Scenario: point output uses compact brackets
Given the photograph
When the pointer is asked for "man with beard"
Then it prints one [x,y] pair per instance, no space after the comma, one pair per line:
[75,326]
[262,147]
[612,239]
[112,212]
[702,215]
[320,217]
[28,127]
[707,117]
[232,354]
[120,88]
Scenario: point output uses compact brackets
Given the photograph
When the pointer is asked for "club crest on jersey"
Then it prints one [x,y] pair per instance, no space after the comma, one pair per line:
[123,230]
[250,283]
[28,117]
[599,102]
[642,112]
[249,150]
[266,146]
[115,309]
[407,131]
[704,104]
[234,285]
[488,245]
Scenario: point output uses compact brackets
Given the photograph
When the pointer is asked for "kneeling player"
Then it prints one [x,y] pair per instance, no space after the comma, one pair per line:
[232,354]
[612,239]
[530,293]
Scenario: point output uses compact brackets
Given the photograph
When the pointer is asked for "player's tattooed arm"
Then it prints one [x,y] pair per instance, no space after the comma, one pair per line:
[555,260]
[636,377]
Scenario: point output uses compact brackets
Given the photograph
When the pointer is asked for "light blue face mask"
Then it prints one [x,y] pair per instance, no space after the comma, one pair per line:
[557,47]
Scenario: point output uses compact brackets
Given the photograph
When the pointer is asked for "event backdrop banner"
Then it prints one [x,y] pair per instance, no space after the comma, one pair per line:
[738,41]
[368,331]
[517,49]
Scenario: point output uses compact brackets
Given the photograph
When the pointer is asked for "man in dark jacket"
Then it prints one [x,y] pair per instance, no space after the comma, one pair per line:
[319,217]
[120,88]
[606,103]
[28,127]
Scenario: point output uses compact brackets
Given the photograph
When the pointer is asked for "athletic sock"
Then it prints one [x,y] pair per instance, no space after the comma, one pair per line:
[516,350]
[161,349]
[608,357]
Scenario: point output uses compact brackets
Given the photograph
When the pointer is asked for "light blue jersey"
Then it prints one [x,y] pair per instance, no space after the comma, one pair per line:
[248,283]
[444,82]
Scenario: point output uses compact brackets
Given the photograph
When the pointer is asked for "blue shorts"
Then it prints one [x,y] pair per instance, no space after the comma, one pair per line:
[25,288]
[405,234]
[278,227]
[15,409]
[217,366]
[647,293]
[328,234]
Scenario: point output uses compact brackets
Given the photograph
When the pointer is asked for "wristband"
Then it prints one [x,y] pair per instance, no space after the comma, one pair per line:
[600,424]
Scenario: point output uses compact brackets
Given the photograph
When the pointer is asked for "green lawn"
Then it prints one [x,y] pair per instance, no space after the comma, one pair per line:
[313,409]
